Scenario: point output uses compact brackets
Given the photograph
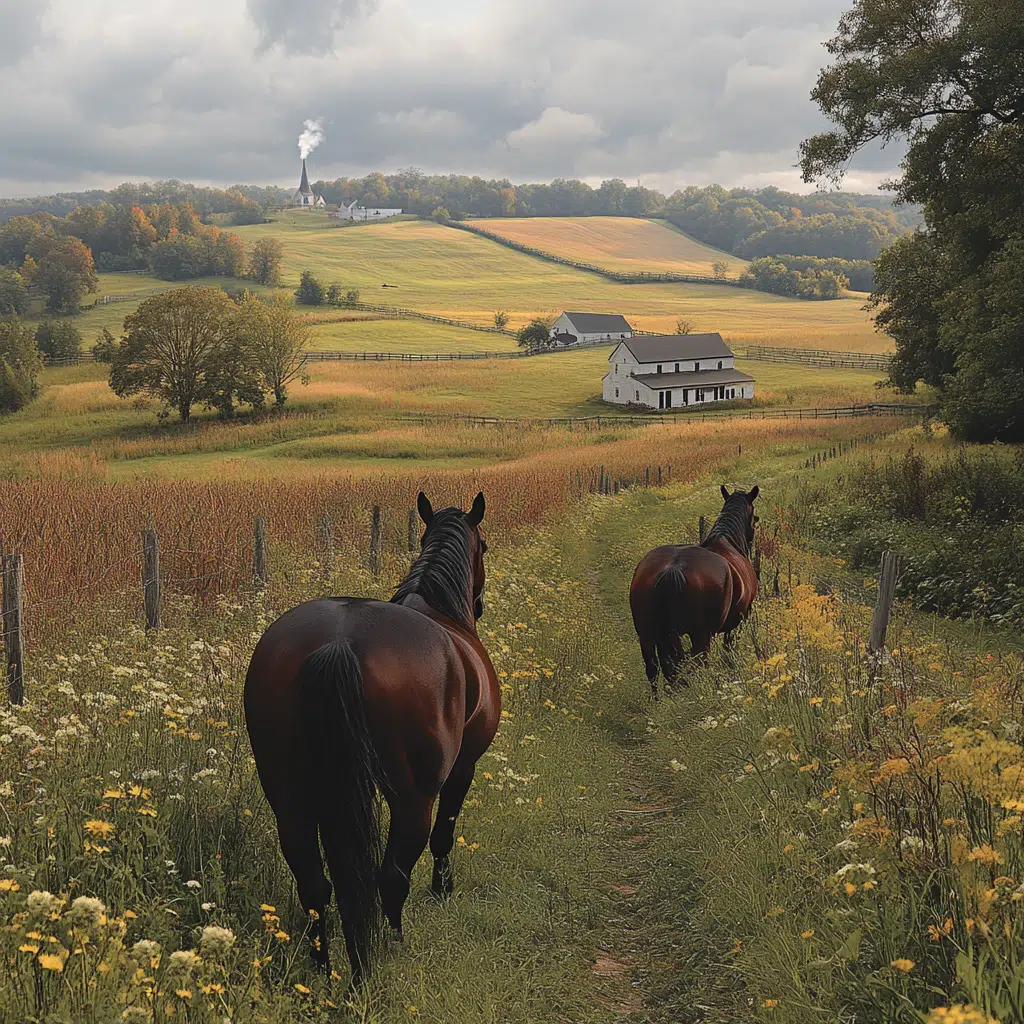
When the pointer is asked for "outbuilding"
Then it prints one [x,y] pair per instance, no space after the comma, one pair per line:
[590,328]
[670,371]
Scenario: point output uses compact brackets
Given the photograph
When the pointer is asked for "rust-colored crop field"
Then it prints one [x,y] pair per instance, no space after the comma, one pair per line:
[79,533]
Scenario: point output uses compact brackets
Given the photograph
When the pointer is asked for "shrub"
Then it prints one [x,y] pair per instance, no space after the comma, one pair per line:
[311,291]
[58,339]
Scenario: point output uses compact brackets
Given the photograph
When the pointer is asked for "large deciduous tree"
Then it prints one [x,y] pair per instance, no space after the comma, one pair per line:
[66,272]
[275,341]
[171,347]
[947,77]
[265,261]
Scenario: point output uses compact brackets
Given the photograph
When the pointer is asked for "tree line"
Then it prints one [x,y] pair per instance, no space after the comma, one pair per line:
[57,257]
[185,347]
[747,222]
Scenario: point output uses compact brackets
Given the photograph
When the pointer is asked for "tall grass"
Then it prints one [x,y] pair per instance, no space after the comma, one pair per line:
[79,534]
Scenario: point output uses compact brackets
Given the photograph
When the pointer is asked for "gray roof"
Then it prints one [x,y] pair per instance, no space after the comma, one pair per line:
[666,348]
[693,379]
[599,323]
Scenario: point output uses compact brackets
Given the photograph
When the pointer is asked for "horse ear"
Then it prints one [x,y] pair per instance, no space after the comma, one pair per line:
[476,513]
[752,494]
[424,508]
[725,493]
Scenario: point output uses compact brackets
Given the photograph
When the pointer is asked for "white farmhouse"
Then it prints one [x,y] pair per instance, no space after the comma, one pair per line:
[588,328]
[355,212]
[669,371]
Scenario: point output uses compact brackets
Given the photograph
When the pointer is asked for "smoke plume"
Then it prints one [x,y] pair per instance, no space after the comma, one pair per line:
[310,138]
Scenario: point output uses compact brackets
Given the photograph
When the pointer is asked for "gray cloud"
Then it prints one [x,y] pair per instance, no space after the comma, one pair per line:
[21,28]
[304,26]
[673,94]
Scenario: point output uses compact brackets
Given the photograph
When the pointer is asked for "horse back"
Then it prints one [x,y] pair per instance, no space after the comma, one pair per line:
[414,686]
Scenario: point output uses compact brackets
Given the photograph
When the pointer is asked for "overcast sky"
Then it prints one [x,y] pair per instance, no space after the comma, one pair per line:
[671,92]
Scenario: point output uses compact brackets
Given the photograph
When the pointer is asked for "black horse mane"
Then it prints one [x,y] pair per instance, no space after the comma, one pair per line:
[732,522]
[443,573]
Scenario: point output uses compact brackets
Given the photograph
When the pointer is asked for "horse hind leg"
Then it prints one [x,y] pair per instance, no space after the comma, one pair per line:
[407,838]
[301,848]
[649,651]
[442,837]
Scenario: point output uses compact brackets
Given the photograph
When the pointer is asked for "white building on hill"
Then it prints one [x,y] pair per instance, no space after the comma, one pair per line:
[355,212]
[304,195]
[588,328]
[669,371]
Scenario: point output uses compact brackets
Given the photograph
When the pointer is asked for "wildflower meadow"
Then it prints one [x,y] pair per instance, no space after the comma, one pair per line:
[802,832]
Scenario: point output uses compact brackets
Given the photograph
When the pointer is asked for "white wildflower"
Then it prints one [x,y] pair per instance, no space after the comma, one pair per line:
[86,912]
[42,903]
[216,942]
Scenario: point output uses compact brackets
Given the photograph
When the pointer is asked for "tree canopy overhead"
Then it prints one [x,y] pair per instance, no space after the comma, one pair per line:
[947,77]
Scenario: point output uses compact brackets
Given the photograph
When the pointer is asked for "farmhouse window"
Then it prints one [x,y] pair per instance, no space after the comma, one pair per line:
[677,367]
[616,369]
[696,366]
[659,367]
[616,392]
[661,399]
[638,396]
[719,363]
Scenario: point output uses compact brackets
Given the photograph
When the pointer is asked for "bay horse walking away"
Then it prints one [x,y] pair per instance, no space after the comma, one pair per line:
[345,697]
[695,590]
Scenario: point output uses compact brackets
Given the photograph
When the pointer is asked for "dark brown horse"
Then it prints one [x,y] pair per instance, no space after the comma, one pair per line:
[697,591]
[345,697]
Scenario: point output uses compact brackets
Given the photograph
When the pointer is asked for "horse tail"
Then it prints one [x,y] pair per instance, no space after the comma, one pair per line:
[669,593]
[346,778]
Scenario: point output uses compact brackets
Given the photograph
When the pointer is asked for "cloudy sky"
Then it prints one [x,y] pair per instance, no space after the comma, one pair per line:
[671,92]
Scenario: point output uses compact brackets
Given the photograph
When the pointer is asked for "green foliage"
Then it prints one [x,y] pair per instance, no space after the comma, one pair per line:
[860,273]
[352,297]
[333,296]
[265,261]
[13,293]
[20,363]
[771,275]
[958,521]
[311,291]
[441,215]
[59,340]
[105,347]
[209,252]
[536,334]
[66,272]
[501,319]
[275,343]
[950,299]
[171,349]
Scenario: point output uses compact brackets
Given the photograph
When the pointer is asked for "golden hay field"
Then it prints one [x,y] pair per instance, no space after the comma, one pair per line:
[625,244]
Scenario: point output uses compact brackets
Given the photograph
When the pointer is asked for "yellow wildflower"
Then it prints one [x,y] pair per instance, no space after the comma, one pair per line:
[100,829]
[903,965]
[9,885]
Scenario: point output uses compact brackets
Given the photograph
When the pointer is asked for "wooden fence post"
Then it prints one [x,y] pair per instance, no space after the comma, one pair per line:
[701,529]
[325,543]
[12,577]
[889,574]
[151,595]
[259,551]
[375,531]
[414,535]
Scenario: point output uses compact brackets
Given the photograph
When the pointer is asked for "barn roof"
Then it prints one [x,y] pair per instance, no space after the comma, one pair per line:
[599,323]
[665,348]
[693,379]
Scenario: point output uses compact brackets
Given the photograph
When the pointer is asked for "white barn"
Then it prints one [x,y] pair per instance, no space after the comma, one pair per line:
[671,371]
[589,328]
[355,212]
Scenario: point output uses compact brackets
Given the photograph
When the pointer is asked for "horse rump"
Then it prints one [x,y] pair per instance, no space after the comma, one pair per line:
[669,600]
[346,779]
